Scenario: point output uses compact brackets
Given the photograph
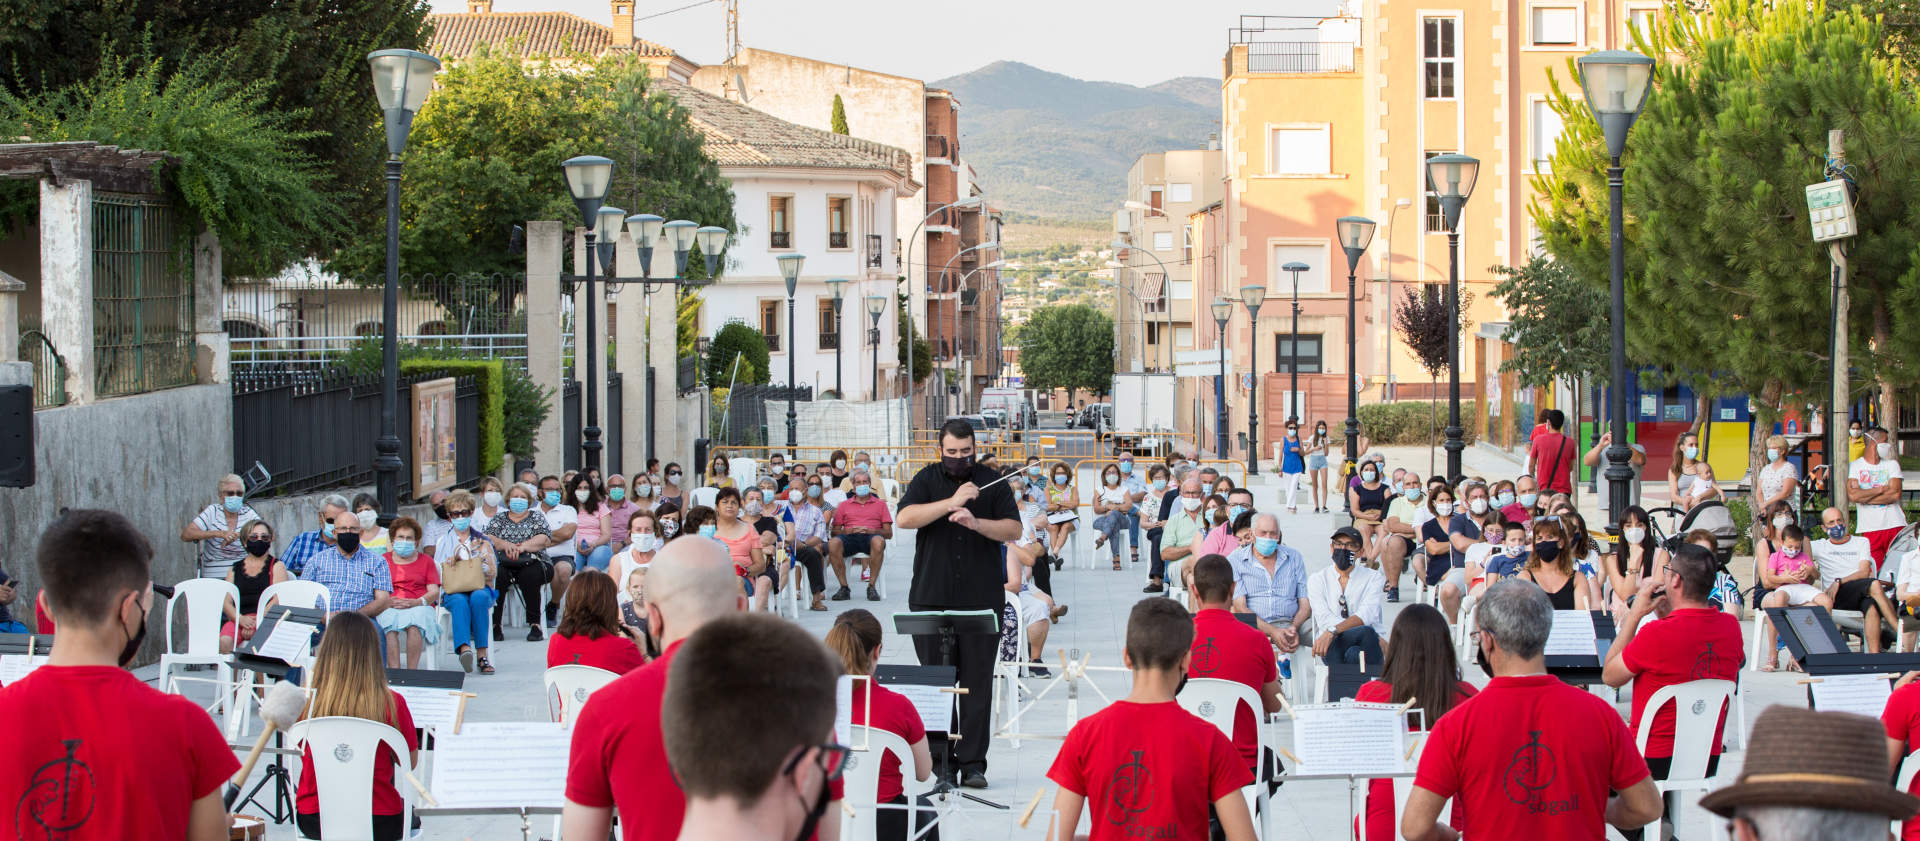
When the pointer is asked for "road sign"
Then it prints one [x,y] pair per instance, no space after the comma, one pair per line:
[1198,369]
[1189,357]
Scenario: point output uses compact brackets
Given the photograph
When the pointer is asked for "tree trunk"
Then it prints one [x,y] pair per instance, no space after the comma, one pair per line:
[1433,421]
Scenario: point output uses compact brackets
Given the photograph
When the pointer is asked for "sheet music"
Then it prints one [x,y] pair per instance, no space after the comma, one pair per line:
[843,708]
[1059,517]
[13,667]
[1350,738]
[432,708]
[288,642]
[1858,694]
[1572,635]
[933,702]
[501,764]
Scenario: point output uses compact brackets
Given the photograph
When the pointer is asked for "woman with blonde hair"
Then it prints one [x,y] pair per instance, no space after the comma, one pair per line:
[1063,495]
[856,637]
[349,680]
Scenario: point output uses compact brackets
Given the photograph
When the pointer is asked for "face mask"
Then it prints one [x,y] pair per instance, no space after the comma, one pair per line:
[133,645]
[233,504]
[863,466]
[1159,485]
[1293,433]
[440,511]
[1836,532]
[1442,509]
[1528,500]
[349,544]
[957,467]
[1368,476]
[1791,551]
[1266,545]
[1503,499]
[1207,489]
[794,496]
[709,530]
[616,494]
[1782,521]
[1034,470]
[674,478]
[551,498]
[1126,468]
[326,530]
[643,543]
[1477,505]
[813,813]
[1885,451]
[404,548]
[1853,433]
[517,505]
[1412,494]
[1113,478]
[754,509]
[1320,430]
[259,548]
[1234,512]
[1547,550]
[1512,551]
[1190,503]
[491,498]
[862,490]
[581,494]
[1773,454]
[367,518]
[813,491]
[671,527]
[1691,453]
[840,464]
[1633,534]
[1060,478]
[462,524]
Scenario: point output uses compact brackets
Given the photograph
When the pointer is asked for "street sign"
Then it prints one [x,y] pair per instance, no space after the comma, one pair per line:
[1198,369]
[1830,210]
[1189,357]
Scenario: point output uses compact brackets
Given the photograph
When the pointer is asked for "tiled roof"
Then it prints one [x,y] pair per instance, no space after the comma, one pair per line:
[737,135]
[532,33]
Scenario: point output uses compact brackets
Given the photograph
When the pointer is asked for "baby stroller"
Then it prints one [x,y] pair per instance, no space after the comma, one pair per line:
[1715,517]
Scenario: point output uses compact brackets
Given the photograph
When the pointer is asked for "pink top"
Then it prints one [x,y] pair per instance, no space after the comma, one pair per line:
[1220,541]
[410,580]
[854,513]
[1779,564]
[620,515]
[741,549]
[587,527]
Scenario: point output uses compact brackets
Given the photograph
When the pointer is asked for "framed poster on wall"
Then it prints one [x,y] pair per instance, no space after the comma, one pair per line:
[434,439]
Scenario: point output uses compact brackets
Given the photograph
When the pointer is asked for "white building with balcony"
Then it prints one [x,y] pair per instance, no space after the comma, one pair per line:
[828,197]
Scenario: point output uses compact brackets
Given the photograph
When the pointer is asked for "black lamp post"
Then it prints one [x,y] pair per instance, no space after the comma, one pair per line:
[838,286]
[790,270]
[1356,233]
[587,178]
[1222,310]
[876,306]
[647,229]
[1253,297]
[401,81]
[1451,178]
[1293,345]
[1615,83]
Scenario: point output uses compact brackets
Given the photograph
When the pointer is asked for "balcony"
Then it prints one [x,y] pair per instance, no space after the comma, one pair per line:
[829,341]
[874,245]
[780,239]
[938,147]
[837,239]
[1256,48]
[774,345]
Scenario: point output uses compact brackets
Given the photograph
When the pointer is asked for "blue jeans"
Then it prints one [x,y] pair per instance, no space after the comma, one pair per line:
[469,616]
[601,558]
[1349,644]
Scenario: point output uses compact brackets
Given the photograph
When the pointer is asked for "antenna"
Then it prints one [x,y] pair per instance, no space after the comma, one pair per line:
[733,31]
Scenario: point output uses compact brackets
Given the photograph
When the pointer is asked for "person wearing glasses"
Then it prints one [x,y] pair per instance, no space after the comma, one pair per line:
[1350,600]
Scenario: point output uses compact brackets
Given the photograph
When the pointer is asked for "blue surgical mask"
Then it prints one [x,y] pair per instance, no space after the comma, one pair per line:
[552,498]
[327,529]
[1503,500]
[517,504]
[233,504]
[404,548]
[813,491]
[1126,467]
[1060,478]
[462,524]
[1412,494]
[1528,499]
[1691,452]
[1207,489]
[1836,532]
[616,494]
[1159,485]
[1034,470]
[1266,545]
[1234,512]
[1773,453]
[862,490]
[709,530]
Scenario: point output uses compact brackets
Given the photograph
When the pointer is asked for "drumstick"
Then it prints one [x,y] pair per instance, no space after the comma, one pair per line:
[279,709]
[1031,806]
[425,795]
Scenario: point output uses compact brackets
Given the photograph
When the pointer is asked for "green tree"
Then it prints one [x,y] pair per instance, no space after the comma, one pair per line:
[1557,324]
[839,116]
[738,340]
[1725,288]
[1068,346]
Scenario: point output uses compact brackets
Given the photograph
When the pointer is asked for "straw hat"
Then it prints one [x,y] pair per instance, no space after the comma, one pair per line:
[1799,757]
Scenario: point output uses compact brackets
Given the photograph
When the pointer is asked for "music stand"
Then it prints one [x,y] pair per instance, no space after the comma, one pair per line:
[948,625]
[1345,679]
[1585,670]
[37,644]
[1818,646]
[246,656]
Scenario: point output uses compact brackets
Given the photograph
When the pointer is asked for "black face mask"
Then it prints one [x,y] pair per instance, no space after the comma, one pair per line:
[349,542]
[813,814]
[1343,558]
[440,511]
[958,467]
[133,645]
[259,547]
[1546,550]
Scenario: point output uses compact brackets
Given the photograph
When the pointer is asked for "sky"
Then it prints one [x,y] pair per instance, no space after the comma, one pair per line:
[1138,42]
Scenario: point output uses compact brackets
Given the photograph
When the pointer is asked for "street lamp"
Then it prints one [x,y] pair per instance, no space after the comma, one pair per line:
[876,306]
[1615,83]
[587,179]
[790,270]
[1293,345]
[401,81]
[1356,233]
[954,348]
[1166,338]
[1222,310]
[838,286]
[907,369]
[1451,178]
[1252,296]
[646,229]
[712,240]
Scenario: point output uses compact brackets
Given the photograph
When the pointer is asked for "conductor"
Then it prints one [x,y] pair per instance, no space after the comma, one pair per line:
[957,565]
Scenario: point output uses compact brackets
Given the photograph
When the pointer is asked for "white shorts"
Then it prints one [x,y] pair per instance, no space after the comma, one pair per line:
[1032,609]
[1799,594]
[1458,578]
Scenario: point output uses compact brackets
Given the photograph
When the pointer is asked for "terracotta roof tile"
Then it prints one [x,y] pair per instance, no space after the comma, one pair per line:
[533,34]
[737,135]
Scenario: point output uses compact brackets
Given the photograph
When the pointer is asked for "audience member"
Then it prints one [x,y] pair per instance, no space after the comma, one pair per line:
[1550,565]
[9,593]
[356,578]
[1471,515]
[643,541]
[1399,532]
[593,524]
[563,525]
[1162,493]
[620,508]
[1350,602]
[437,526]
[1787,792]
[468,566]
[1791,575]
[251,575]
[1847,566]
[1270,581]
[1597,458]
[492,500]
[1035,606]
[1419,668]
[412,618]
[1367,501]
[1873,486]
[349,681]
[1225,648]
[217,528]
[1181,538]
[861,525]
[591,632]
[1063,497]
[743,543]
[807,532]
[856,638]
[520,537]
[307,544]
[373,536]
[1436,565]
[1115,508]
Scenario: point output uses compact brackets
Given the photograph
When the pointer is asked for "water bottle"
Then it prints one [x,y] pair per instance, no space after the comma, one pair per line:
[1286,668]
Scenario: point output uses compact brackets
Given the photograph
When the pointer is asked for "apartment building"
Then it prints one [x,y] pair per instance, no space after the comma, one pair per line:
[1154,305]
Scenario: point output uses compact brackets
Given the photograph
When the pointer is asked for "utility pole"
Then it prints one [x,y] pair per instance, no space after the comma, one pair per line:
[1836,251]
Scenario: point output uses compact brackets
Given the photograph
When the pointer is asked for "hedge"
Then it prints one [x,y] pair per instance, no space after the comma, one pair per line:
[1411,422]
[488,373]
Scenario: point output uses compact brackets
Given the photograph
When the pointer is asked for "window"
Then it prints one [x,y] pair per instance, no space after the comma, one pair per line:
[1153,332]
[1555,26]
[1156,199]
[1163,240]
[1313,281]
[1307,357]
[1440,52]
[1544,126]
[771,318]
[1436,216]
[838,223]
[1179,193]
[779,222]
[1300,150]
[1640,22]
[1183,337]
[1186,243]
[829,323]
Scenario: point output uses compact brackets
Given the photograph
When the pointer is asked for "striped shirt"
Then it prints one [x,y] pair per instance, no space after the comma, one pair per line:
[217,554]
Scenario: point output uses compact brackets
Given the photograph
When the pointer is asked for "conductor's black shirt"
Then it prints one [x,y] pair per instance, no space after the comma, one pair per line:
[955,567]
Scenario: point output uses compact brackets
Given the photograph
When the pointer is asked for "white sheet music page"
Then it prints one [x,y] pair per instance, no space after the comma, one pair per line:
[1350,738]
[1572,635]
[288,642]
[501,765]
[13,667]
[843,710]
[934,703]
[1858,694]
[433,708]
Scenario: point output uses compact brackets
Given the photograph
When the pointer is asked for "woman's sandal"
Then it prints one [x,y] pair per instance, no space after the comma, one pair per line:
[486,668]
[1116,564]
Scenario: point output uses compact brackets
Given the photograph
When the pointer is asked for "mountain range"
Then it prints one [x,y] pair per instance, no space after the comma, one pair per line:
[1057,147]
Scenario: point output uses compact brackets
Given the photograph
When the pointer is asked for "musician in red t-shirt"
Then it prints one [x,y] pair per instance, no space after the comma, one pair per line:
[590,632]
[91,752]
[1901,718]
[1228,649]
[1146,767]
[1691,641]
[348,680]
[1529,756]
[1419,665]
[856,637]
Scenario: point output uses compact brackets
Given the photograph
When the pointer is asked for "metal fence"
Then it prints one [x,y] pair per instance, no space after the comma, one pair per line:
[307,318]
[747,417]
[315,430]
[142,297]
[572,421]
[49,370]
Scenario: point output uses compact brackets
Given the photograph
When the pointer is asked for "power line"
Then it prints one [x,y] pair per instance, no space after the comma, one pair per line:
[679,9]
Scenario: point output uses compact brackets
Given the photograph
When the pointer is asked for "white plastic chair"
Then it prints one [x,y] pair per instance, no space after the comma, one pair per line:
[205,600]
[1909,768]
[1697,706]
[296,593]
[1007,674]
[891,487]
[569,686]
[1217,702]
[1177,585]
[789,601]
[430,655]
[743,471]
[702,496]
[343,751]
[862,781]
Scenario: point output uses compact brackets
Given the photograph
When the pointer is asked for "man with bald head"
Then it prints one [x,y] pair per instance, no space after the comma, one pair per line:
[356,579]
[1270,581]
[1846,568]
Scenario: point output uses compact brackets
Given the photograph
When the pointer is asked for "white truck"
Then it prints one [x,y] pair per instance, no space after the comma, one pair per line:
[1143,404]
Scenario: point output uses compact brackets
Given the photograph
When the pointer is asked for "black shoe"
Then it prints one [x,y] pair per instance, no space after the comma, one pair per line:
[873,594]
[534,635]
[973,779]
[1393,594]
[1154,588]
[1057,562]
[1036,670]
[553,615]
[842,594]
[496,633]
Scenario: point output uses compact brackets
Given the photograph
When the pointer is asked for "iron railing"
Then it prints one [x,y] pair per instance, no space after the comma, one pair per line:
[305,318]
[316,429]
[142,298]
[779,239]
[49,370]
[837,239]
[874,244]
[774,344]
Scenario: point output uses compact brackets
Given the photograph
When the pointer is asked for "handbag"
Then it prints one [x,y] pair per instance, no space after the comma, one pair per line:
[463,574]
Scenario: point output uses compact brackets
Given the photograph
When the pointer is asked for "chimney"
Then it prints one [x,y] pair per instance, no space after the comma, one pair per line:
[1213,142]
[480,7]
[623,24]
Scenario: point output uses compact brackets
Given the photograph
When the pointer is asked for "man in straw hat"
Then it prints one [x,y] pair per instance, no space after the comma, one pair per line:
[1838,792]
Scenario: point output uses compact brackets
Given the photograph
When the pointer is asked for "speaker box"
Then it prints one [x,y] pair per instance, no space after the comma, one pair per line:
[16,436]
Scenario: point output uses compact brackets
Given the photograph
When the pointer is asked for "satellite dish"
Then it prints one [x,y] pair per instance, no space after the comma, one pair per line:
[740,84]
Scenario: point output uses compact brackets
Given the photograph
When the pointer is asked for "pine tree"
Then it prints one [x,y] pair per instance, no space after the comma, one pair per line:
[839,116]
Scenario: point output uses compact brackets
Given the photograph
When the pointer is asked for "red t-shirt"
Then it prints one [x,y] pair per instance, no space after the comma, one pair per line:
[1531,757]
[1691,644]
[386,801]
[1227,649]
[410,580]
[895,714]
[1380,823]
[1902,720]
[1148,770]
[615,653]
[91,752]
[1553,457]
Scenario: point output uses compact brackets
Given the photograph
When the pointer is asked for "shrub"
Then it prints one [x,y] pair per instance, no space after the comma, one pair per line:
[737,340]
[512,406]
[1410,423]
[488,373]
